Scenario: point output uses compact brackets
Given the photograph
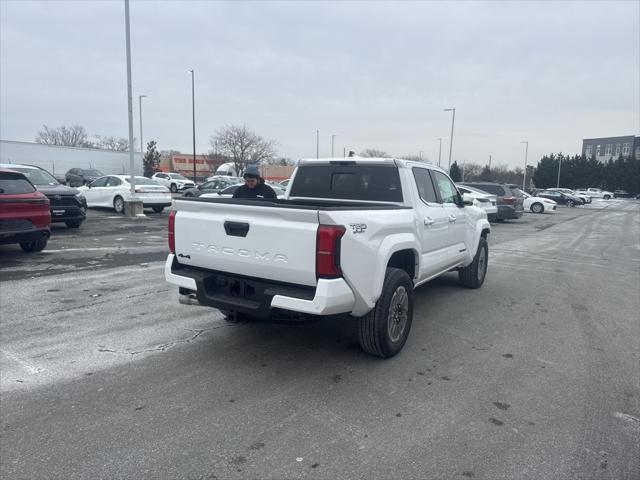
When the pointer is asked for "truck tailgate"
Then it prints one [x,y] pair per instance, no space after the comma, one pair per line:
[256,241]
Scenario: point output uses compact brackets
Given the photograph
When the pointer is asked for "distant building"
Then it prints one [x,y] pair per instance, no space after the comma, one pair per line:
[183,163]
[57,160]
[611,147]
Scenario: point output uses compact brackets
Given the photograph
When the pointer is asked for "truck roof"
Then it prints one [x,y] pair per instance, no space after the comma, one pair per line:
[399,162]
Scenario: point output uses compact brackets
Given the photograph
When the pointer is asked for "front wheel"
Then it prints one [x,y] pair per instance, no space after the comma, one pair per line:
[537,208]
[173,188]
[473,275]
[384,330]
[607,197]
[571,204]
[118,204]
[35,245]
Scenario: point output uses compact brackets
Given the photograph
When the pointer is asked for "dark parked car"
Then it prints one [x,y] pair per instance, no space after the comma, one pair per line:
[67,204]
[76,177]
[561,198]
[622,194]
[212,186]
[509,199]
[24,216]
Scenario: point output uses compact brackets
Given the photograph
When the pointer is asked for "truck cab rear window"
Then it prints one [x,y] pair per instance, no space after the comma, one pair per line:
[371,183]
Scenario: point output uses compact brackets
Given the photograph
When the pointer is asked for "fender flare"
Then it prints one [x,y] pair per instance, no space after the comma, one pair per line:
[389,246]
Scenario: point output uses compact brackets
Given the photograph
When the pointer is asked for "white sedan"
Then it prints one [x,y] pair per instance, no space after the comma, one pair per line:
[538,204]
[487,201]
[229,191]
[113,191]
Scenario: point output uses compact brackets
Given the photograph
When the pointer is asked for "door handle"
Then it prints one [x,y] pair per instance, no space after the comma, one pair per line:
[428,221]
[452,219]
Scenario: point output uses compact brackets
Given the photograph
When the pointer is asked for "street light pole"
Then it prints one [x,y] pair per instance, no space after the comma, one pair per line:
[439,151]
[524,177]
[317,143]
[559,165]
[129,101]
[420,155]
[140,97]
[453,121]
[332,139]
[193,113]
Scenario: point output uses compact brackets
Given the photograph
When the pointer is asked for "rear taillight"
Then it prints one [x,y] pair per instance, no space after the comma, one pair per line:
[510,200]
[172,230]
[328,251]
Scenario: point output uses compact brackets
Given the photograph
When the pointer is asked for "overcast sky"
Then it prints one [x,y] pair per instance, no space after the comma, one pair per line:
[376,74]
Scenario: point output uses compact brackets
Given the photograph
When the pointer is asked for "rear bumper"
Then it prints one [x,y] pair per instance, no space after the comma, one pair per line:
[509,212]
[18,236]
[259,297]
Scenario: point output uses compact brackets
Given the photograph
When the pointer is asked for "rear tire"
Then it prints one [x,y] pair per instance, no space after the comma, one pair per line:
[537,208]
[473,275]
[34,245]
[384,330]
[173,188]
[118,204]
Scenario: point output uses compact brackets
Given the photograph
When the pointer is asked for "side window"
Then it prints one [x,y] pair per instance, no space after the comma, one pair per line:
[448,191]
[113,182]
[424,185]
[100,182]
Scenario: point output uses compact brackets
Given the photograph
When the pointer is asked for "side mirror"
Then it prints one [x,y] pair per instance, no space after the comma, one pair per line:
[467,199]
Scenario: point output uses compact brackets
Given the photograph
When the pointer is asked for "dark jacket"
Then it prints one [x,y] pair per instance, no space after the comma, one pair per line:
[260,191]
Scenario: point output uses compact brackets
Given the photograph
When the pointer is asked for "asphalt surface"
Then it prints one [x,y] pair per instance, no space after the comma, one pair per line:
[536,375]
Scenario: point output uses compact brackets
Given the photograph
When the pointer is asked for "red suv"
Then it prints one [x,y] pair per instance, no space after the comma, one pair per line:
[24,212]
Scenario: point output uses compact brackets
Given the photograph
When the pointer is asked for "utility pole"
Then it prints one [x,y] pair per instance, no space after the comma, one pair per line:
[140,97]
[524,177]
[559,165]
[439,150]
[134,205]
[453,121]
[317,143]
[193,112]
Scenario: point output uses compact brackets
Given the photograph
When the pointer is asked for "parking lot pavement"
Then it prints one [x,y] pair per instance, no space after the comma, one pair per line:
[105,240]
[533,376]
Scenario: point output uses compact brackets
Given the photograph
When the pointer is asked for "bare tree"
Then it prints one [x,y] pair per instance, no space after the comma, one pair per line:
[374,153]
[243,146]
[74,136]
[112,143]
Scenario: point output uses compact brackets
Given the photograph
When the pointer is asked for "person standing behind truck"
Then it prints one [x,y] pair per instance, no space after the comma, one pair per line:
[254,186]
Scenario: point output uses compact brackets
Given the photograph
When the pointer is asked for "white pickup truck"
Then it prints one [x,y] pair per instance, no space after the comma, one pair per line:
[351,236]
[596,193]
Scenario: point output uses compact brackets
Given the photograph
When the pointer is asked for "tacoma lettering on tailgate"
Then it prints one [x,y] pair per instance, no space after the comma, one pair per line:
[241,252]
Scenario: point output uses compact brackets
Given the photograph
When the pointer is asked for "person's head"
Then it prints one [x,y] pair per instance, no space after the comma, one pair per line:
[251,176]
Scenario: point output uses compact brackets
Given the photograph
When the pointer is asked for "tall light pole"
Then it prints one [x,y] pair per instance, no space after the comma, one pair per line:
[129,101]
[453,121]
[439,150]
[526,152]
[559,165]
[420,155]
[332,139]
[140,97]
[193,113]
[317,143]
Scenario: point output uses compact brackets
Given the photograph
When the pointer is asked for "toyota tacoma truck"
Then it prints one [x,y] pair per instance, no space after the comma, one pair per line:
[350,236]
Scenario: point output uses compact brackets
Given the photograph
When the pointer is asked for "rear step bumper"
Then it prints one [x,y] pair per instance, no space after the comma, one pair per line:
[257,296]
